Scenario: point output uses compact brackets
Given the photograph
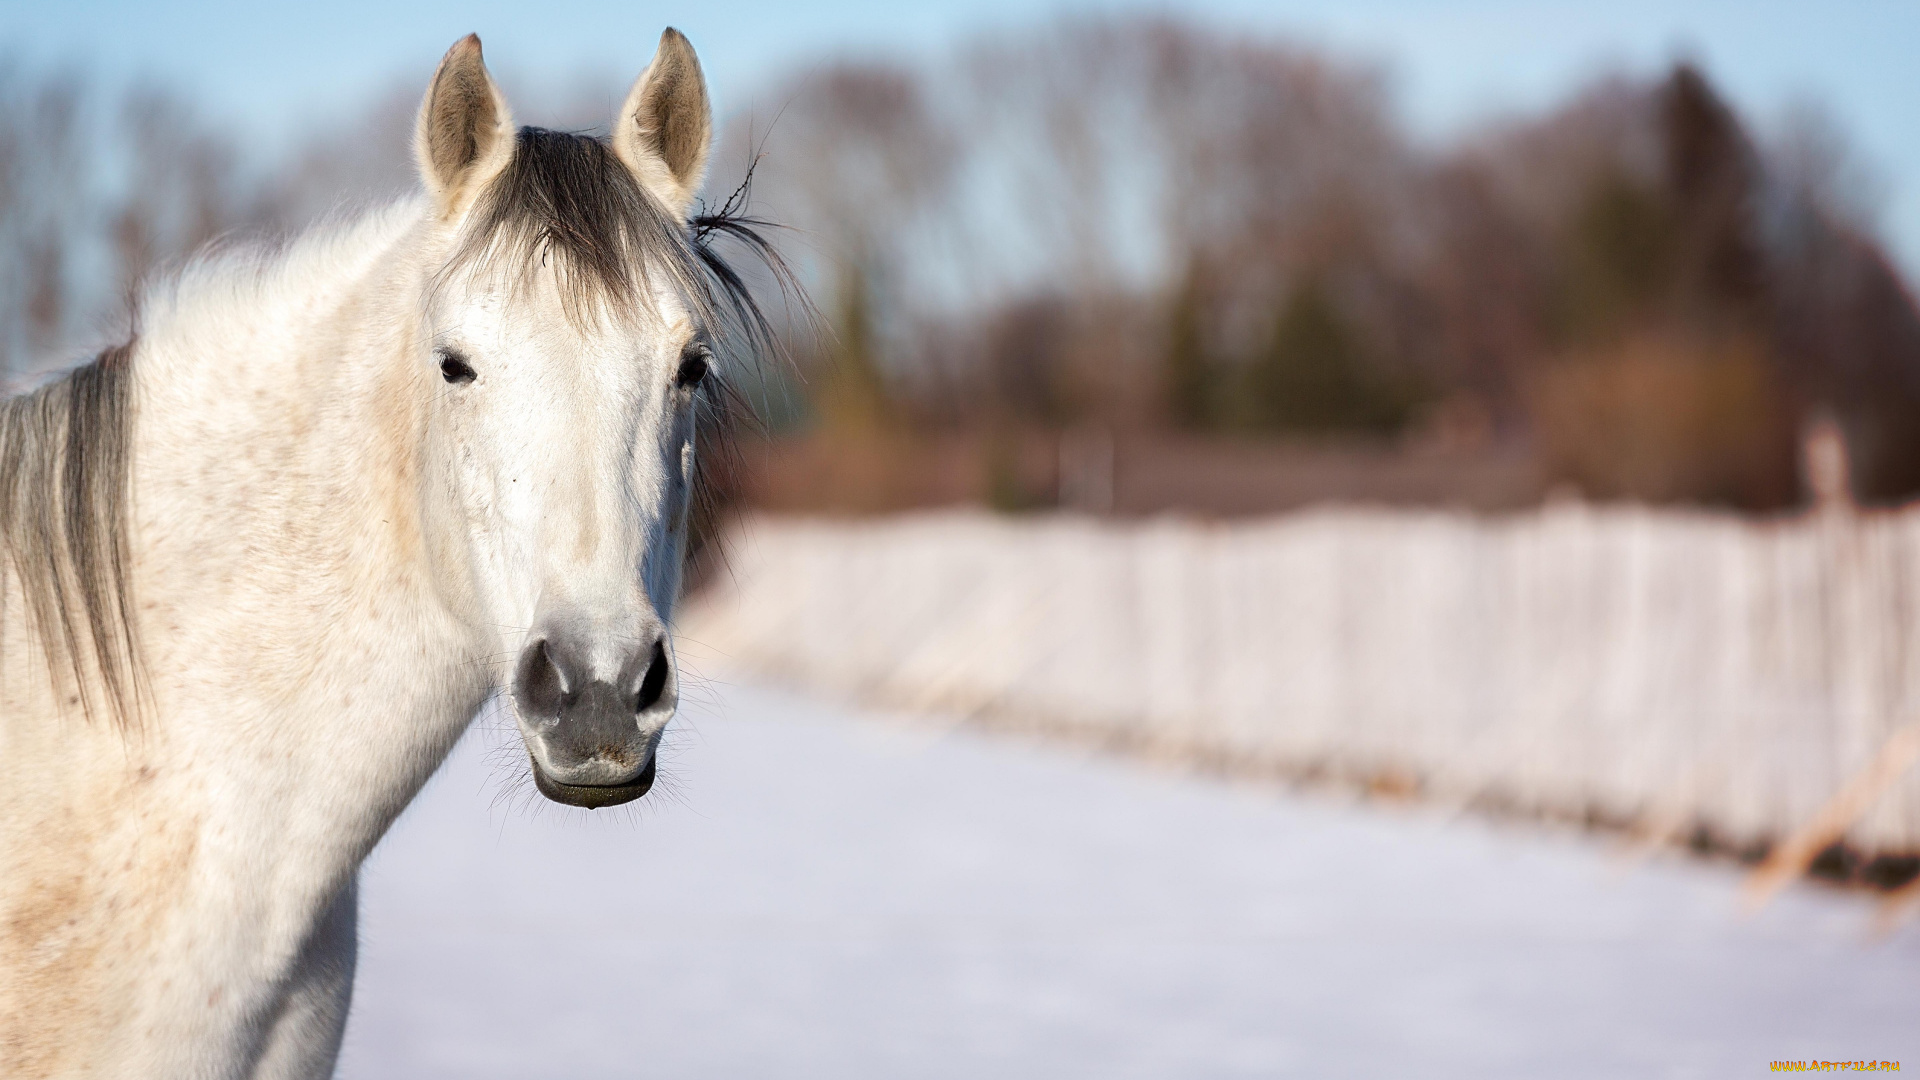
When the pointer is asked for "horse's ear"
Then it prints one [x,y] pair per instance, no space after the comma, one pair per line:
[666,123]
[465,133]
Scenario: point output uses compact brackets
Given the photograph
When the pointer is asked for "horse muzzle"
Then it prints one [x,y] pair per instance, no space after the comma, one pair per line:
[592,739]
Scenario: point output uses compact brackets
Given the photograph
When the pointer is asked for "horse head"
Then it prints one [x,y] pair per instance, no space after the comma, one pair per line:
[569,341]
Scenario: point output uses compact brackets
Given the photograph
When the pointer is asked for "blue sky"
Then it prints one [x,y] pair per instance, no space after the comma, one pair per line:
[272,67]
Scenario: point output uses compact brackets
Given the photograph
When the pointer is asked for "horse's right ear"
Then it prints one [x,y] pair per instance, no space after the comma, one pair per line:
[465,133]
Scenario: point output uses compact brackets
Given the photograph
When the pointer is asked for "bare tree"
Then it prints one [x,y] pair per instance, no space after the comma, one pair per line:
[97,192]
[42,165]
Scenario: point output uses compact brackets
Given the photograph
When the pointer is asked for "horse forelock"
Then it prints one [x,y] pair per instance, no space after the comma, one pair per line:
[565,202]
[65,471]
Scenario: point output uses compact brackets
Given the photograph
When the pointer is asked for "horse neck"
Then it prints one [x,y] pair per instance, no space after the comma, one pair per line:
[279,554]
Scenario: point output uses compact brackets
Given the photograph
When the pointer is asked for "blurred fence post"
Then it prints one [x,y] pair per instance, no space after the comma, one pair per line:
[1681,673]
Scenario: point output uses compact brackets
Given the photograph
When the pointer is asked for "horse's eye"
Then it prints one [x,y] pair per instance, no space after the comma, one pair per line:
[693,368]
[454,367]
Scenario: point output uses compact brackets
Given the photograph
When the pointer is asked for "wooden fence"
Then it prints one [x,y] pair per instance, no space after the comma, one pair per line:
[1678,672]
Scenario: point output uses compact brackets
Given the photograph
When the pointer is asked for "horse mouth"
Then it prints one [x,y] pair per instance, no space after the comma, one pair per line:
[594,796]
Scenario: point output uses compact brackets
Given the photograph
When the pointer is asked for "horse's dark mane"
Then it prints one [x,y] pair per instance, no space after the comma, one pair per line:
[65,466]
[731,222]
[755,340]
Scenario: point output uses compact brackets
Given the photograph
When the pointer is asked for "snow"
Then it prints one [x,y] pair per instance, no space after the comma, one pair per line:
[830,894]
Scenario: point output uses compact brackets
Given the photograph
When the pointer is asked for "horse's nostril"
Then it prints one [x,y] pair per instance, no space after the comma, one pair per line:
[538,684]
[655,682]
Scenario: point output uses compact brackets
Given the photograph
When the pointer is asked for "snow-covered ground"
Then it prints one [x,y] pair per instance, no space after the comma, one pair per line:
[824,894]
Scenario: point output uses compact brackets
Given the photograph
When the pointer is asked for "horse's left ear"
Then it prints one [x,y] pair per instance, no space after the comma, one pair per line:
[666,124]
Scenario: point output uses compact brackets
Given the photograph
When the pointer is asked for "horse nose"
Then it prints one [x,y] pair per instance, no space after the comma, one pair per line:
[553,675]
[587,729]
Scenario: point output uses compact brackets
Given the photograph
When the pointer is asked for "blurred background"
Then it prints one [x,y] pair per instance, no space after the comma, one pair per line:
[1219,258]
[1489,407]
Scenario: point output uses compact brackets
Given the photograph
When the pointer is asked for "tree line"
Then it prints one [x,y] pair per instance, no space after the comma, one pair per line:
[1144,224]
[1140,224]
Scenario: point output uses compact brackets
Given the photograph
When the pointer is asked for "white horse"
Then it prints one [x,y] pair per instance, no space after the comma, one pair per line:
[260,567]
